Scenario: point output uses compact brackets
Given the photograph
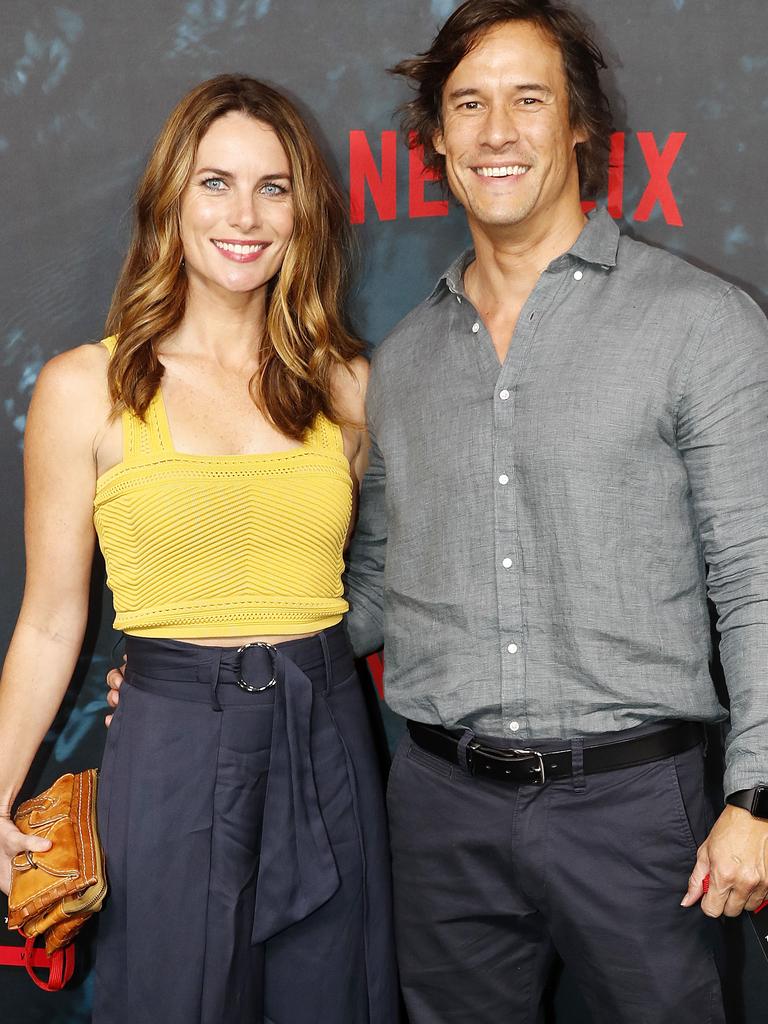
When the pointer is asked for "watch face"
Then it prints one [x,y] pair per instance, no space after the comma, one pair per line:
[760,802]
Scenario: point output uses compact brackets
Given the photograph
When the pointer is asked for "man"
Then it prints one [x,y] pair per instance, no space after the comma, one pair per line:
[567,431]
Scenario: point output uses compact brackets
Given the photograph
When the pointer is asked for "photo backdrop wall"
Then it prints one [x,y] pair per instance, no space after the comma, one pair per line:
[85,86]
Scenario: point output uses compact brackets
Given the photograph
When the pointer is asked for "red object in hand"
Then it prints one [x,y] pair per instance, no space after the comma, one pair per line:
[705,886]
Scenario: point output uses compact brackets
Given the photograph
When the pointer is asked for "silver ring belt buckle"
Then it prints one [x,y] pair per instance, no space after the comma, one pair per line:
[272,651]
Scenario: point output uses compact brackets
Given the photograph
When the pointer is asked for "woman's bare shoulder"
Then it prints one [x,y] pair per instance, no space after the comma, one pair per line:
[75,381]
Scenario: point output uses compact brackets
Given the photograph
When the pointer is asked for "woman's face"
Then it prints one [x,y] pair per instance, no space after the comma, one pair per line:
[237,209]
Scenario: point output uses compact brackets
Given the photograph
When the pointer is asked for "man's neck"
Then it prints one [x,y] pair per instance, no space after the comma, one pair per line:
[510,260]
[508,263]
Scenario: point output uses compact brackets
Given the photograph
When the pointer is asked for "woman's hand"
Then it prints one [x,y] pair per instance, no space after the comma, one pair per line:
[13,842]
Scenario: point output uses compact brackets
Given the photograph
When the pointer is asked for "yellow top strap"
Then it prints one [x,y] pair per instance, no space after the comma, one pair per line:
[141,437]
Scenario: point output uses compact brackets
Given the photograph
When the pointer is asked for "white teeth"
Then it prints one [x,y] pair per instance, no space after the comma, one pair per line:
[501,172]
[238,249]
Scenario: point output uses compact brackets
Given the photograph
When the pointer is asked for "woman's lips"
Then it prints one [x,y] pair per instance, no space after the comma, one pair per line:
[240,251]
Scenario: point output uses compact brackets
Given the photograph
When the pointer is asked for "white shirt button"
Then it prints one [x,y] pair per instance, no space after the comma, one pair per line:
[577,275]
[504,394]
[475,327]
[512,648]
[503,479]
[514,726]
[507,563]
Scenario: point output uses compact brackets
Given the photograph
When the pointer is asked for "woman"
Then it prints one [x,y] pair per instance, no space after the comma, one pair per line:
[215,440]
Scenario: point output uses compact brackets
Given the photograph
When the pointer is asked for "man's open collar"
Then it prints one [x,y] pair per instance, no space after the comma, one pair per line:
[453,278]
[597,243]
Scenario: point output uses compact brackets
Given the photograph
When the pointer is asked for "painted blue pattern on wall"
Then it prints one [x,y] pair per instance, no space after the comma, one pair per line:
[46,53]
[203,18]
[442,8]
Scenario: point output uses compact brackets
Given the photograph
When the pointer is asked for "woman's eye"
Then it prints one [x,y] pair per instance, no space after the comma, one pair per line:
[214,184]
[271,188]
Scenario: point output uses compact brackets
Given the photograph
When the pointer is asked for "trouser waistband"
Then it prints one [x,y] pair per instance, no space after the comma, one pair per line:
[324,658]
[534,767]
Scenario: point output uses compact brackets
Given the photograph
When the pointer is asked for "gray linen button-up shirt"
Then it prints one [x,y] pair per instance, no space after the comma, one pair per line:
[551,525]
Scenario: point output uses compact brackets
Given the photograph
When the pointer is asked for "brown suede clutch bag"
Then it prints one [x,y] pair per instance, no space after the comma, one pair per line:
[54,893]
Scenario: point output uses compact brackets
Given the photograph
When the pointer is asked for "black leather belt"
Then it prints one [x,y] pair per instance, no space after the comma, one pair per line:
[536,767]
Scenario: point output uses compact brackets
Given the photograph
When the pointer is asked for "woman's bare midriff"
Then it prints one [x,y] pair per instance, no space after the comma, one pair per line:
[239,641]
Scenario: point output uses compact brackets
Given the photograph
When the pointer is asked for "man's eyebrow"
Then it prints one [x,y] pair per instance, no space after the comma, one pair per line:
[456,94]
[532,87]
[473,90]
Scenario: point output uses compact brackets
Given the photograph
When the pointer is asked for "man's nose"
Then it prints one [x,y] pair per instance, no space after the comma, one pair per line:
[500,127]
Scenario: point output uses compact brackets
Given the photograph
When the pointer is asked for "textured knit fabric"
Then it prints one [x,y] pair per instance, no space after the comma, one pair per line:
[551,525]
[204,545]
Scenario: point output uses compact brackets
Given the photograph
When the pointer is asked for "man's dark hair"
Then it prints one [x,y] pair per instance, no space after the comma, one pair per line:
[589,108]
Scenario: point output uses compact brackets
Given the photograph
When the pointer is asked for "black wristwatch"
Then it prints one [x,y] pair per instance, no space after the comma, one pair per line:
[753,800]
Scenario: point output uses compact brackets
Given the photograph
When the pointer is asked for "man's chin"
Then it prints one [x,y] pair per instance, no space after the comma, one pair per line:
[499,217]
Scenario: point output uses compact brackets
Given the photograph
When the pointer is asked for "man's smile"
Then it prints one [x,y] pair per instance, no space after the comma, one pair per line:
[514,170]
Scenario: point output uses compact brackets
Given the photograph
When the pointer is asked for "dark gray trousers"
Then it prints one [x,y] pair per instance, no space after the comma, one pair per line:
[492,880]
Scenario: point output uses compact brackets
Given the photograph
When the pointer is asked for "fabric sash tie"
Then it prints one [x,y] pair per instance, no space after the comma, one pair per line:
[297,870]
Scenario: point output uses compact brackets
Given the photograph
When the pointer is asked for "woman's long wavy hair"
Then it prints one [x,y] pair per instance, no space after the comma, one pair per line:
[305,336]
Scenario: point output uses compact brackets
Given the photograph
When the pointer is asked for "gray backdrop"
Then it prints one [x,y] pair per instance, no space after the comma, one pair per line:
[85,86]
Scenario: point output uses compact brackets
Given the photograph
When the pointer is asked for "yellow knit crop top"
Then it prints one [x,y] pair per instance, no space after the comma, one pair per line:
[232,545]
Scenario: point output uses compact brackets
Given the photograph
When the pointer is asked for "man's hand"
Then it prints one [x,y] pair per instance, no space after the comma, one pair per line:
[735,856]
[13,842]
[114,682]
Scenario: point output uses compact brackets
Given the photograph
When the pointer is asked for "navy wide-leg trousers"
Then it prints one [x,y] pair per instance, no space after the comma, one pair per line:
[245,840]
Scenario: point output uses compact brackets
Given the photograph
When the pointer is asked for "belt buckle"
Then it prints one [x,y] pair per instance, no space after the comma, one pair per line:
[539,767]
[272,657]
[509,755]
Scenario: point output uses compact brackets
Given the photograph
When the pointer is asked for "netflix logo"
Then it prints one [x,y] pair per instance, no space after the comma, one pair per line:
[373,176]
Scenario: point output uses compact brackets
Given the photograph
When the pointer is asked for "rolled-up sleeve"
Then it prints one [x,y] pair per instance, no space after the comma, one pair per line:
[722,433]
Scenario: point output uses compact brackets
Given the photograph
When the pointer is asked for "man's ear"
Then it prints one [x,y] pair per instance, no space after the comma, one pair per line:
[580,134]
[438,143]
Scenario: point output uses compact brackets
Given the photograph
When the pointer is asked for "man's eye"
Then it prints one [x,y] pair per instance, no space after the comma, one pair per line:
[471,105]
[214,184]
[530,101]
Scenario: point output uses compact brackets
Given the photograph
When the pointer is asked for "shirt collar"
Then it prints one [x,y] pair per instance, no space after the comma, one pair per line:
[453,278]
[597,243]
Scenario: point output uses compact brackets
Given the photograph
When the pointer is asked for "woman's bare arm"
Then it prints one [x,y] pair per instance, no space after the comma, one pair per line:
[66,413]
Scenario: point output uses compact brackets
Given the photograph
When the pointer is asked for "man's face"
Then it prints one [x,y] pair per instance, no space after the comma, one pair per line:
[507,139]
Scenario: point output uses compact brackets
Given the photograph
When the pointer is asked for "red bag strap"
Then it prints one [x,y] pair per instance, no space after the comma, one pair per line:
[62,967]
